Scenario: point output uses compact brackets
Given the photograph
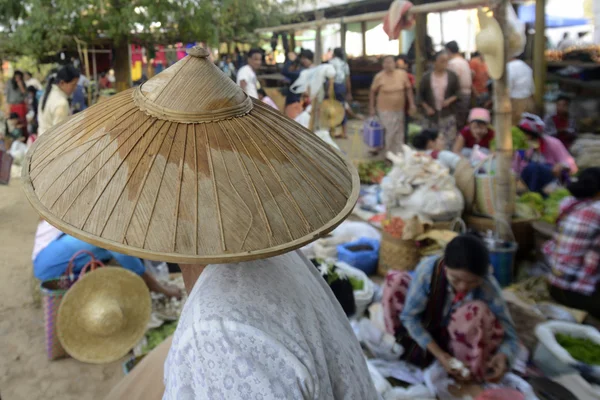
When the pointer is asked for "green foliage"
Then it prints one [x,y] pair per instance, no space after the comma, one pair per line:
[37,27]
[583,350]
[518,137]
[552,205]
[158,335]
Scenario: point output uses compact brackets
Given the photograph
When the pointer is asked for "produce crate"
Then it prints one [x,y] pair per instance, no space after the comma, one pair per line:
[522,229]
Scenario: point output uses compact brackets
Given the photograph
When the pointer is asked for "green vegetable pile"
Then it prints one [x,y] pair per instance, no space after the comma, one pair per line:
[552,205]
[332,276]
[356,283]
[518,137]
[373,171]
[583,350]
[158,335]
[547,208]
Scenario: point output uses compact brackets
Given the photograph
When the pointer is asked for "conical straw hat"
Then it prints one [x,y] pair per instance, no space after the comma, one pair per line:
[187,168]
[331,114]
[104,315]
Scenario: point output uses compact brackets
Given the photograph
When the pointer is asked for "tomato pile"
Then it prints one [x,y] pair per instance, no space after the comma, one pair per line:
[393,227]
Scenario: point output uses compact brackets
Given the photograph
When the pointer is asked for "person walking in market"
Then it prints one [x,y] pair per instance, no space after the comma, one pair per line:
[481,78]
[54,107]
[438,92]
[460,66]
[390,92]
[246,76]
[521,88]
[342,83]
[15,93]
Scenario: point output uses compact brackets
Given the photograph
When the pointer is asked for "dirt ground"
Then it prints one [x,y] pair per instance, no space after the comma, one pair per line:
[25,372]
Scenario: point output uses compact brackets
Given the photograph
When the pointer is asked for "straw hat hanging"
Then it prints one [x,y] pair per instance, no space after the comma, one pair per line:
[490,42]
[187,168]
[103,315]
[331,113]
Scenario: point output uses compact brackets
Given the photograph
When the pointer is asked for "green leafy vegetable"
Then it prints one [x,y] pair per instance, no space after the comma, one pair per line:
[357,284]
[158,335]
[583,350]
[552,205]
[518,137]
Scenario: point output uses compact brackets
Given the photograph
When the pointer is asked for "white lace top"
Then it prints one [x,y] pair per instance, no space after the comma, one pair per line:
[267,329]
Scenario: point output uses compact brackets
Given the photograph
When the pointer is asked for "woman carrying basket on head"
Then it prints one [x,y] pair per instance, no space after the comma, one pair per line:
[453,308]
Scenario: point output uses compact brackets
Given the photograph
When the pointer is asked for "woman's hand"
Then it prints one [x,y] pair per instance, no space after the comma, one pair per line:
[558,169]
[172,291]
[430,111]
[447,102]
[446,360]
[497,367]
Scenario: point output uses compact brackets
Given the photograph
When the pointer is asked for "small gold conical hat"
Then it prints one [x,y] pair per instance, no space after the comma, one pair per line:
[104,315]
[187,168]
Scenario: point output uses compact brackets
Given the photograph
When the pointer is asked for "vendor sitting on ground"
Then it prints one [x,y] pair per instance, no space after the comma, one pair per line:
[53,250]
[546,161]
[453,308]
[477,132]
[561,124]
[433,143]
[574,253]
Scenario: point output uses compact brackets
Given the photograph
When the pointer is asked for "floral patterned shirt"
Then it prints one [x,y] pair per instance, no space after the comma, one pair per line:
[267,329]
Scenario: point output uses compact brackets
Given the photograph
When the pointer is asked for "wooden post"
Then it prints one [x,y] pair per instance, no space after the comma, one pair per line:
[94,65]
[343,30]
[122,66]
[420,48]
[292,41]
[363,31]
[539,57]
[504,145]
[318,47]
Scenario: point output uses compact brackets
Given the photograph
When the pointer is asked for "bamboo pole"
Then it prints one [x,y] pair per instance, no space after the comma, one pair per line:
[420,47]
[539,57]
[504,145]
[363,32]
[439,6]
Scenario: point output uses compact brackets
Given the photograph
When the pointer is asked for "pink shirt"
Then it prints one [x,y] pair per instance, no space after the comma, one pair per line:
[552,152]
[461,68]
[439,83]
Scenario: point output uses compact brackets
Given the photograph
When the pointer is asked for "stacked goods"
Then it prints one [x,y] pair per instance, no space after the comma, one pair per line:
[372,172]
[586,151]
[394,227]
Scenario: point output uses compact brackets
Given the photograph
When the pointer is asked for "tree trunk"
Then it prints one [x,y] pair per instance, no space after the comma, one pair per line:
[504,145]
[539,56]
[122,66]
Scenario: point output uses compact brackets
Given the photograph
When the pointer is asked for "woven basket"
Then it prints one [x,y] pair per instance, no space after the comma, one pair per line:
[396,254]
[53,291]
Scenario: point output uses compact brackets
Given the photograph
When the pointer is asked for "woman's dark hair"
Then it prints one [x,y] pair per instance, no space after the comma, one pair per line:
[425,136]
[587,184]
[13,81]
[475,54]
[309,55]
[468,252]
[452,47]
[65,74]
[563,97]
[261,92]
[339,53]
[32,89]
[438,54]
[254,51]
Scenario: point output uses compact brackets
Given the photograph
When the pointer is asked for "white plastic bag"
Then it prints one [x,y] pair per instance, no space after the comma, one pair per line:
[439,200]
[17,151]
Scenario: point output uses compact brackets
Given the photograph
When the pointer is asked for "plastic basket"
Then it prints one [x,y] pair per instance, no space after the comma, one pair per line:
[373,133]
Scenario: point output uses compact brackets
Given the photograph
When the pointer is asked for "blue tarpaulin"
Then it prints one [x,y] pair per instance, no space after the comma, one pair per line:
[527,14]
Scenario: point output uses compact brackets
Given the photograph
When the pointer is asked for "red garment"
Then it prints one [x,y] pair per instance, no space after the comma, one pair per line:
[20,109]
[573,254]
[561,122]
[480,75]
[471,141]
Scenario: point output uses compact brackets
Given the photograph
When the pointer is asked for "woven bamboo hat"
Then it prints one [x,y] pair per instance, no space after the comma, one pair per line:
[331,113]
[490,42]
[103,315]
[187,168]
